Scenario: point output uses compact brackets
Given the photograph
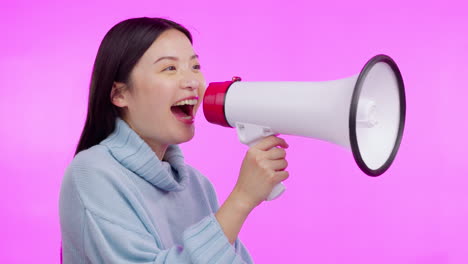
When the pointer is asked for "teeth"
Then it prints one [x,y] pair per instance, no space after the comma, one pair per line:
[187,102]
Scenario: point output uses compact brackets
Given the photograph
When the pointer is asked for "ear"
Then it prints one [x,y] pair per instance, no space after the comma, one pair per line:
[118,94]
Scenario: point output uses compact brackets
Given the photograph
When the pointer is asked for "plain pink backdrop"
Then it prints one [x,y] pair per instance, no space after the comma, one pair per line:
[331,212]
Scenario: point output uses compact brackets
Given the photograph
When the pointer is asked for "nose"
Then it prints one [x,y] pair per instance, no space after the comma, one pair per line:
[190,82]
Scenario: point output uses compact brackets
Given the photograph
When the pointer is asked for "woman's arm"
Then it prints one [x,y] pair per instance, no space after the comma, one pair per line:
[262,168]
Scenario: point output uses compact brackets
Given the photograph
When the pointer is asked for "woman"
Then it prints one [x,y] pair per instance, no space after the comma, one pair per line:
[128,196]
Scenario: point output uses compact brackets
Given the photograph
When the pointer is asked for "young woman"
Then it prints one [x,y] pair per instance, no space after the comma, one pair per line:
[128,196]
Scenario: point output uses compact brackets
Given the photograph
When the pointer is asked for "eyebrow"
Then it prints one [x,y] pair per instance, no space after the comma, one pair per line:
[173,58]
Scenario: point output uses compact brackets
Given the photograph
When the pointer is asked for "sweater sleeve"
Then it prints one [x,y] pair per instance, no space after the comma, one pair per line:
[240,249]
[108,242]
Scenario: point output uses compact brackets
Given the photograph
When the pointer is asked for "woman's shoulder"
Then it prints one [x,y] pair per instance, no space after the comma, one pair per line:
[96,156]
[93,167]
[102,185]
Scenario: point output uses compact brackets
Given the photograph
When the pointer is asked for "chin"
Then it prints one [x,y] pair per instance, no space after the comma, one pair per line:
[184,137]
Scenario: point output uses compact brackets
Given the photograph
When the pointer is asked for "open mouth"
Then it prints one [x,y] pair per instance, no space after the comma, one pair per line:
[183,110]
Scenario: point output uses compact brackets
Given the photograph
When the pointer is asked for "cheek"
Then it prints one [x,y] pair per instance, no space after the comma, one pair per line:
[201,93]
[202,89]
[153,100]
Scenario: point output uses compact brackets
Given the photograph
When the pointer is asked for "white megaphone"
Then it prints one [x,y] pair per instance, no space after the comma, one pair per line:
[364,113]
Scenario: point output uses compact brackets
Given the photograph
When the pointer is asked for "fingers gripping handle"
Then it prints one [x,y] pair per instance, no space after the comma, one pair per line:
[250,135]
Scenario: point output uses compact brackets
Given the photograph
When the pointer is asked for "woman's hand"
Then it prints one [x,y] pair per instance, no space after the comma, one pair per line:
[263,167]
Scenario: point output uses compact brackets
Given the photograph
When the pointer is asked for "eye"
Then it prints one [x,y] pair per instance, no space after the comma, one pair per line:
[196,67]
[170,68]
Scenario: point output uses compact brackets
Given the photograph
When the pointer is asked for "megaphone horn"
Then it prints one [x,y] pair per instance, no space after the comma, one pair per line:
[364,113]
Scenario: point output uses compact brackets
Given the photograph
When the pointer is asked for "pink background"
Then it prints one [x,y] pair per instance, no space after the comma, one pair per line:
[331,213]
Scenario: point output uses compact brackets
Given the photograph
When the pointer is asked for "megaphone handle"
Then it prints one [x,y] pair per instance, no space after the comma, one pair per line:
[278,189]
[250,134]
[276,192]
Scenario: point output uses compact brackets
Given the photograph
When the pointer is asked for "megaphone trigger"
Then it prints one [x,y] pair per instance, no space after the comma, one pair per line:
[250,134]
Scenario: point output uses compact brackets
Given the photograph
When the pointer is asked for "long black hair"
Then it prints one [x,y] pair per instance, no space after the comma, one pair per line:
[120,50]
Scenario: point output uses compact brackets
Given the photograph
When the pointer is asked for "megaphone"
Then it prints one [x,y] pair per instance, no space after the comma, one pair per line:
[364,113]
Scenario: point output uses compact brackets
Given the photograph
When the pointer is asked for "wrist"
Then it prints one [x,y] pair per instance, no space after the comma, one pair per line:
[232,215]
[243,205]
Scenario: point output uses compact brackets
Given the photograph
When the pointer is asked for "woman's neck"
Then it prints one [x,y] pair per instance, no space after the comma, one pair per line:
[158,148]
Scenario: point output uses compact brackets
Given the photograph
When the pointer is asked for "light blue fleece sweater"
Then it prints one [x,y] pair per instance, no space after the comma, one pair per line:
[120,204]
